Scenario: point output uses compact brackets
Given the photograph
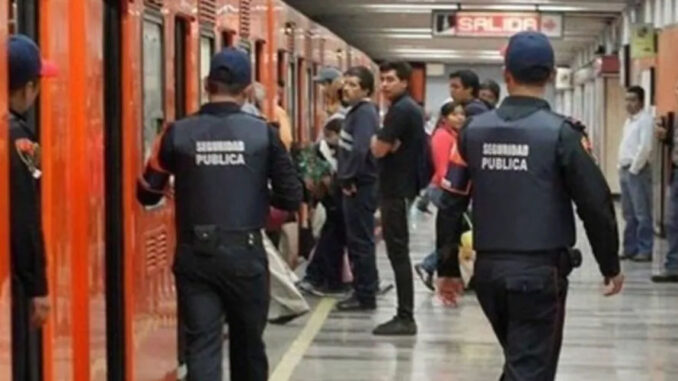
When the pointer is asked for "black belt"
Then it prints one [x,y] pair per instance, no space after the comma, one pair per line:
[565,260]
[202,234]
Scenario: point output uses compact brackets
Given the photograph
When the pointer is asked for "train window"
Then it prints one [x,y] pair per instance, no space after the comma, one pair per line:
[153,84]
[206,53]
[227,38]
[258,55]
[23,17]
[310,105]
[180,35]
[291,83]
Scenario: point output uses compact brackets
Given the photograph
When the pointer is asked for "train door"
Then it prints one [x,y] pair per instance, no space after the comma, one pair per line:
[206,53]
[113,156]
[181,30]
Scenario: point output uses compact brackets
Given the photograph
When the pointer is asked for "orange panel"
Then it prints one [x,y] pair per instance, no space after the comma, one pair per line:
[5,303]
[667,71]
[418,82]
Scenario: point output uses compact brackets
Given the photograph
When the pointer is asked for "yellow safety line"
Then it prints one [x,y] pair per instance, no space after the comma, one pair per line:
[296,351]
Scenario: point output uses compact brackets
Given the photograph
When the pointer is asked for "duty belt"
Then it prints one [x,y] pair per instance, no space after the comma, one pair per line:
[211,236]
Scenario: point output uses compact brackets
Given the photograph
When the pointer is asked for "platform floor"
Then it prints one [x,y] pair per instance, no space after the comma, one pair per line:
[630,337]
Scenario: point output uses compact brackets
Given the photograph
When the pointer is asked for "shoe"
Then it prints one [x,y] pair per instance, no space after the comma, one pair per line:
[282,320]
[640,258]
[307,287]
[425,276]
[333,292]
[397,326]
[384,288]
[352,304]
[665,278]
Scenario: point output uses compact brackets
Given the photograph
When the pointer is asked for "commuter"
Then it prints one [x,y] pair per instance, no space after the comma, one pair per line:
[636,178]
[30,301]
[443,143]
[539,161]
[669,136]
[399,146]
[465,88]
[220,266]
[490,93]
[357,176]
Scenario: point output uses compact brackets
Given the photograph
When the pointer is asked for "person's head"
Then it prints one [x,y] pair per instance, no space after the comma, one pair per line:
[331,133]
[327,75]
[230,77]
[529,63]
[490,92]
[358,84]
[635,99]
[26,67]
[395,78]
[464,85]
[453,113]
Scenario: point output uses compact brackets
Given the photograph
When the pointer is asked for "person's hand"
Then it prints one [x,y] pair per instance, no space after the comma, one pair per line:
[660,131]
[39,310]
[450,290]
[614,285]
[350,190]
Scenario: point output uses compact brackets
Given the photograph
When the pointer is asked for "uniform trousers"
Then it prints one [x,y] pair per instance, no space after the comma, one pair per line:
[229,282]
[523,297]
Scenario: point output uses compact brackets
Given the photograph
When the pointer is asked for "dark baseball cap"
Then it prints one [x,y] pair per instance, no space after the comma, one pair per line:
[231,66]
[25,62]
[327,74]
[529,50]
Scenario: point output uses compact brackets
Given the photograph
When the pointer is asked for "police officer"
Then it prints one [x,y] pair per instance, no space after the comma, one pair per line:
[30,303]
[222,160]
[523,165]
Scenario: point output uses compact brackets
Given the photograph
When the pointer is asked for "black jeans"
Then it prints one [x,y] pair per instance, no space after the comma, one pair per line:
[231,283]
[326,266]
[397,237]
[359,219]
[26,340]
[523,296]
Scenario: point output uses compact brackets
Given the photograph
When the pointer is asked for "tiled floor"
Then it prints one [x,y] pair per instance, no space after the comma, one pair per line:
[630,337]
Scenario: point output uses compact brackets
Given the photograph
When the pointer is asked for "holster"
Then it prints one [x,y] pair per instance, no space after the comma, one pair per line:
[570,259]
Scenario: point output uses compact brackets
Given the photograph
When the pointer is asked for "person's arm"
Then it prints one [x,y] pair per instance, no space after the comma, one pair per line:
[388,138]
[441,146]
[643,155]
[287,191]
[589,191]
[152,185]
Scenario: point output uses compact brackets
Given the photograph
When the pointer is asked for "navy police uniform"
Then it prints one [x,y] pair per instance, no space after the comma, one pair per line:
[27,248]
[523,165]
[222,161]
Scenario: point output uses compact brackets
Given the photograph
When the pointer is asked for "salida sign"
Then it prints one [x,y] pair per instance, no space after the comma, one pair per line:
[495,24]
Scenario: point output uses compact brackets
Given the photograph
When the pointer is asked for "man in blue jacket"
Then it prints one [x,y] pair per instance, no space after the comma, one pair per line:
[357,174]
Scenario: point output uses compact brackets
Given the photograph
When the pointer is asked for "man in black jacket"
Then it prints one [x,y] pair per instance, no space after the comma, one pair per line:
[357,175]
[465,88]
[30,303]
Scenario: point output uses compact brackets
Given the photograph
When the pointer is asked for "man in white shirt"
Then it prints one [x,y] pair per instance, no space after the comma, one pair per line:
[636,180]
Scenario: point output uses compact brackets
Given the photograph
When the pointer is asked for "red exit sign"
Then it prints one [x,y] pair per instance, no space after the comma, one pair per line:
[495,24]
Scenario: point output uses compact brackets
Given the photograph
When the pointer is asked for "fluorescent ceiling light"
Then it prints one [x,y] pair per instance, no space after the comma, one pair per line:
[498,7]
[408,36]
[407,8]
[448,52]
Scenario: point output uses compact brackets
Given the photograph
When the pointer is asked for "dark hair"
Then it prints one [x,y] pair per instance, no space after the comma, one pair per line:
[469,79]
[491,86]
[403,69]
[221,82]
[447,109]
[639,91]
[365,77]
[333,125]
[537,76]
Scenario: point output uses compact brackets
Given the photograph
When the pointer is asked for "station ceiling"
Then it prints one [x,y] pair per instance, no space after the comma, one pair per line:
[403,29]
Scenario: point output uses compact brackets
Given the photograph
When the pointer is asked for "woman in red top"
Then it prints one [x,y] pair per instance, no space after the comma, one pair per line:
[443,140]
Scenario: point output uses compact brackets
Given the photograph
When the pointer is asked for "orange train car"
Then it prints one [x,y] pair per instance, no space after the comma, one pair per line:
[127,67]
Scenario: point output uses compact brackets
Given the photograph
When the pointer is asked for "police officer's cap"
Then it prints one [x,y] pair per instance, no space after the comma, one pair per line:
[25,62]
[529,50]
[231,66]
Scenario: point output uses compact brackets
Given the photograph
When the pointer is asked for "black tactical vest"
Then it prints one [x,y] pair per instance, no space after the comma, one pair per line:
[519,200]
[221,172]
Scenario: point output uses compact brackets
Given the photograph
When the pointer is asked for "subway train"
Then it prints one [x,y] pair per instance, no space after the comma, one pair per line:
[126,68]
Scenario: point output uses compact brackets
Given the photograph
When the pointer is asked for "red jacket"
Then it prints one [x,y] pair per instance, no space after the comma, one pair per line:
[443,140]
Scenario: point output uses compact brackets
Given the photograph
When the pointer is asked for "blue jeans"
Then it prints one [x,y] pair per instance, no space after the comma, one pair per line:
[359,219]
[671,264]
[636,195]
